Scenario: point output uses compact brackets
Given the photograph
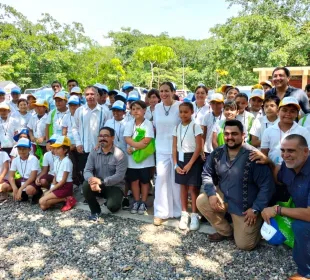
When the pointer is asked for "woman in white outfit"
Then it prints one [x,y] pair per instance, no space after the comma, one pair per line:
[167,202]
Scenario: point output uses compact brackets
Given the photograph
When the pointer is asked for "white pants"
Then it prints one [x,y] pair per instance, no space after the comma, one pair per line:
[167,202]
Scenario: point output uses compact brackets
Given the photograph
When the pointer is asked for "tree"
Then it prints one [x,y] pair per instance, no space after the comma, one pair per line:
[154,55]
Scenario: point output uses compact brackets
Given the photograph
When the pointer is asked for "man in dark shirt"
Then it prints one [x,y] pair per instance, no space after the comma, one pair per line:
[104,174]
[236,185]
[280,79]
[295,173]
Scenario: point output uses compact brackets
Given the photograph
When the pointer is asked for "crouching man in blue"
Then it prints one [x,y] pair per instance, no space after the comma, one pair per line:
[104,174]
[236,185]
[295,173]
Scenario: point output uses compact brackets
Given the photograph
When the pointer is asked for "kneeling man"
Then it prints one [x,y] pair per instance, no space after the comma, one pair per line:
[234,184]
[104,174]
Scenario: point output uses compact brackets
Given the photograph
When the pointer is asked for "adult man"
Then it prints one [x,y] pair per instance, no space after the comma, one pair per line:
[294,173]
[88,119]
[71,84]
[235,184]
[104,174]
[280,79]
[307,90]
[56,87]
[15,94]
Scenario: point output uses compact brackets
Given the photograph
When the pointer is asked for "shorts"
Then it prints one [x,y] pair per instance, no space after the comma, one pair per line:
[143,175]
[64,191]
[48,177]
[18,183]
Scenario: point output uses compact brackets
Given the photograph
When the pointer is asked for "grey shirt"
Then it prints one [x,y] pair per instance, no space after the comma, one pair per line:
[230,180]
[110,167]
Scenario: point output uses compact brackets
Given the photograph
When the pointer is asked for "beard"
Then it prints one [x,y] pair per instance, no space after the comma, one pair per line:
[234,147]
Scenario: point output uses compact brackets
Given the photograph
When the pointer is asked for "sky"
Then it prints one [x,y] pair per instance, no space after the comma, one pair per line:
[191,19]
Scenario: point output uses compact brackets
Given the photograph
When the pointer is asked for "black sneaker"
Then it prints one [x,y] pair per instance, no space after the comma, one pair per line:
[35,199]
[24,197]
[125,203]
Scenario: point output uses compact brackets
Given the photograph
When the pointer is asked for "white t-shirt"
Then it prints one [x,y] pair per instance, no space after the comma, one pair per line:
[38,126]
[68,122]
[8,128]
[186,136]
[57,120]
[305,122]
[61,166]
[210,121]
[23,119]
[164,125]
[247,120]
[200,113]
[130,131]
[48,160]
[259,126]
[119,128]
[3,158]
[273,137]
[25,167]
[149,114]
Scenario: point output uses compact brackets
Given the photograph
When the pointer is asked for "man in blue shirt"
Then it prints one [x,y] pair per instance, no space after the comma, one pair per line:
[295,174]
[280,79]
[236,185]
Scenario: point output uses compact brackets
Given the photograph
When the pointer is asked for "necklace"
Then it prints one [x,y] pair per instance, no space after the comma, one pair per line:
[167,112]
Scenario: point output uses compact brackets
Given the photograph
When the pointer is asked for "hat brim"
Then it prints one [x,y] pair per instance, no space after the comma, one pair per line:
[260,97]
[117,108]
[128,87]
[112,92]
[74,103]
[5,108]
[40,105]
[15,92]
[60,98]
[294,104]
[22,146]
[56,145]
[1,92]
[132,99]
[216,100]
[51,141]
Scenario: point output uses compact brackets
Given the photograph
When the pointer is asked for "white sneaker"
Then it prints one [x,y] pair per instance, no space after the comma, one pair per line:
[184,220]
[194,225]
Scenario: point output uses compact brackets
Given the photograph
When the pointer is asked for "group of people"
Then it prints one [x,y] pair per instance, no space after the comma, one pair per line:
[248,153]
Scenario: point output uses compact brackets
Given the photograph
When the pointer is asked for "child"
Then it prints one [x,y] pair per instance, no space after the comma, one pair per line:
[256,102]
[24,133]
[2,95]
[139,174]
[273,135]
[153,99]
[4,169]
[187,137]
[8,128]
[55,117]
[244,116]
[37,124]
[22,115]
[118,124]
[211,118]
[27,166]
[270,105]
[230,112]
[31,99]
[61,189]
[231,93]
[132,96]
[46,176]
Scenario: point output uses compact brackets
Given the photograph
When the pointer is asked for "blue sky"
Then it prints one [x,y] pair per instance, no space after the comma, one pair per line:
[189,18]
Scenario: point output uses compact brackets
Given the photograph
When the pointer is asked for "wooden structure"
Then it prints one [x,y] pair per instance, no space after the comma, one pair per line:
[299,75]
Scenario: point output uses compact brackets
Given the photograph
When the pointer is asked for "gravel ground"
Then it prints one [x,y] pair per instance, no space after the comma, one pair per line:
[55,245]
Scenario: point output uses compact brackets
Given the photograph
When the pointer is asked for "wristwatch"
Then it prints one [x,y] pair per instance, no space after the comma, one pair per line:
[255,212]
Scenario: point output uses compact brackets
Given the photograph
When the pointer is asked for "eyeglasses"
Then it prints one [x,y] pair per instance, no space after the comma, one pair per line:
[104,136]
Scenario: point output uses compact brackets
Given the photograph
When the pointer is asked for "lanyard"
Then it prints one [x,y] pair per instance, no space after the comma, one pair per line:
[181,140]
[21,167]
[59,120]
[58,166]
[7,127]
[119,130]
[37,123]
[198,110]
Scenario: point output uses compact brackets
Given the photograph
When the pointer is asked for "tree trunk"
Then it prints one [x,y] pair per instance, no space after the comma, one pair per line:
[152,71]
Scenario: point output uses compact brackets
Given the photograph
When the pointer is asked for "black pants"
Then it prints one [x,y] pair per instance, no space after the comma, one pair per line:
[81,163]
[113,195]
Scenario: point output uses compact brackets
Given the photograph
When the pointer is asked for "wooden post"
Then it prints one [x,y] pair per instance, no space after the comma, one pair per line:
[304,79]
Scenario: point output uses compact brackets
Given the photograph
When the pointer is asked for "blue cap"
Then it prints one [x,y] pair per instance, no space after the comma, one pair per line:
[16,90]
[2,91]
[133,96]
[119,105]
[189,98]
[23,131]
[113,92]
[271,233]
[74,100]
[122,96]
[101,86]
[24,142]
[127,85]
[52,139]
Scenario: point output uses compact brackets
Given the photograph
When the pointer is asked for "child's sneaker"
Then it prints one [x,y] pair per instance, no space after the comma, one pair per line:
[3,196]
[70,203]
[125,203]
[184,220]
[194,225]
[142,209]
[135,207]
[94,217]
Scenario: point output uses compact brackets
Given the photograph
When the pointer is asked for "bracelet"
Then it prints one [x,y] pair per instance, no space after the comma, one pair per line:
[280,210]
[175,167]
[275,209]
